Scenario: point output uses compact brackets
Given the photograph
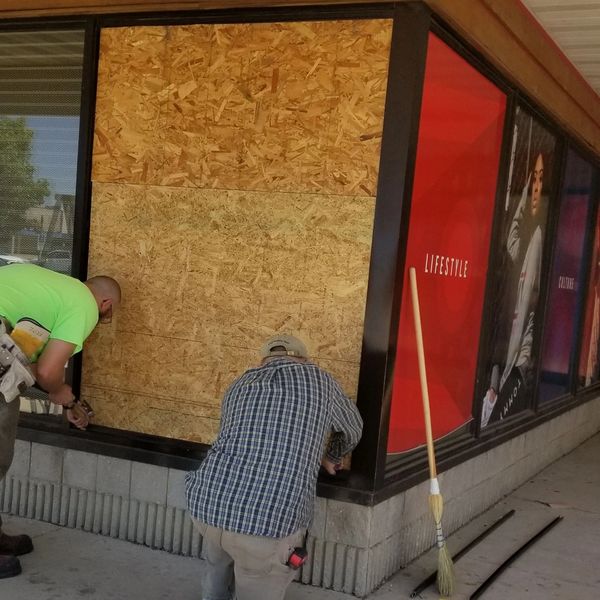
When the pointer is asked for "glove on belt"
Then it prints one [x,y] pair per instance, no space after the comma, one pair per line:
[15,377]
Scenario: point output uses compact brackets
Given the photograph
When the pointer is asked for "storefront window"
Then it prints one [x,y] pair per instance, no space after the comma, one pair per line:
[589,369]
[565,282]
[511,354]
[40,100]
[452,205]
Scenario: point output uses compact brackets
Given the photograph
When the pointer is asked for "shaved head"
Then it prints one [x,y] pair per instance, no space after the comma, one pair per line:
[105,288]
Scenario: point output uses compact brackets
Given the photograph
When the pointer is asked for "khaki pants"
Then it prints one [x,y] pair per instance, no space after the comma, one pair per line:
[255,566]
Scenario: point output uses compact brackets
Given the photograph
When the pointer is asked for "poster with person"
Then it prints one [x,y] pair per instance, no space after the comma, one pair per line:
[511,352]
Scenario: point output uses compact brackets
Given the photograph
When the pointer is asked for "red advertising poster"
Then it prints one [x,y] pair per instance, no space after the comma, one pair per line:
[458,153]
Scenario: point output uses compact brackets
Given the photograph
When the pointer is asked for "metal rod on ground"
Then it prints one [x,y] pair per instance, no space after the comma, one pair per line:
[512,558]
[429,580]
[445,572]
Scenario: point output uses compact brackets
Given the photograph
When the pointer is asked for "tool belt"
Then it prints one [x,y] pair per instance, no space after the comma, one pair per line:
[15,375]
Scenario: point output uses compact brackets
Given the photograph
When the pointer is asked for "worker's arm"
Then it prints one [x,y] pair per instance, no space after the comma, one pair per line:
[346,428]
[49,370]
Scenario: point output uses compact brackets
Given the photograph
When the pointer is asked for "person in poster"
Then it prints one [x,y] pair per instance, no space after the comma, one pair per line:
[513,357]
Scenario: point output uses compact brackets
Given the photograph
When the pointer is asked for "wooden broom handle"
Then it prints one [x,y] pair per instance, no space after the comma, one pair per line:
[422,372]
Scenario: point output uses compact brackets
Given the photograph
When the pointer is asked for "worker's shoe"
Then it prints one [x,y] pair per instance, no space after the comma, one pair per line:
[9,566]
[15,544]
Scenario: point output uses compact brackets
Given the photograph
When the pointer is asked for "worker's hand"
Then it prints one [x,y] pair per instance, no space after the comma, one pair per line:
[78,416]
[63,396]
[330,466]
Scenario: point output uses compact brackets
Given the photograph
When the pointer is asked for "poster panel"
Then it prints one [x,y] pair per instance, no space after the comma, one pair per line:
[458,153]
[511,354]
[589,369]
[566,279]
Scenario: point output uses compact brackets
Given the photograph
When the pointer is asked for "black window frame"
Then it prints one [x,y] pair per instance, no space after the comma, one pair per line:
[548,259]
[579,317]
[81,215]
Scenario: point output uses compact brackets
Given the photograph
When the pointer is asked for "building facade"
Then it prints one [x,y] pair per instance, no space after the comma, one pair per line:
[248,170]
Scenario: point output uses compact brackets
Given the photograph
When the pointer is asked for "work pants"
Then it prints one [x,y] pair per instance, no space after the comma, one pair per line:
[254,565]
[9,417]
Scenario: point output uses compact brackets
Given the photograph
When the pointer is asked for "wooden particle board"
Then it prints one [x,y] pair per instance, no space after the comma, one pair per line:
[207,276]
[234,172]
[267,106]
[130,104]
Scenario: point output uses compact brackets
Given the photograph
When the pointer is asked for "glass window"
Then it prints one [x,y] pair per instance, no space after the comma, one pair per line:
[565,282]
[40,97]
[511,355]
[589,369]
[40,102]
[458,154]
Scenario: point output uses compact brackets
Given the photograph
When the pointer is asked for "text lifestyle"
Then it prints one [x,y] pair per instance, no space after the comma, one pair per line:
[447,266]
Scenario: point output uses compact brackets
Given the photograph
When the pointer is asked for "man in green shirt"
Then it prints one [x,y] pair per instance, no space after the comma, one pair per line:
[48,316]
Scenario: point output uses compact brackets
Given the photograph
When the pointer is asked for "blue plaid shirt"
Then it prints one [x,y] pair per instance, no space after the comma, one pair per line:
[260,476]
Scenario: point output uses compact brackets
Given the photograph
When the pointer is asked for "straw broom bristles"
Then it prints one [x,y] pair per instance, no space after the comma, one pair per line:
[445,572]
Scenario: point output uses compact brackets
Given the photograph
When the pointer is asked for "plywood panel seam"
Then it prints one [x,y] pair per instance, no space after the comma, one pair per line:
[138,392]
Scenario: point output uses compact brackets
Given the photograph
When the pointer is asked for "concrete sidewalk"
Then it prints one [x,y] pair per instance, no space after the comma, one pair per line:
[70,564]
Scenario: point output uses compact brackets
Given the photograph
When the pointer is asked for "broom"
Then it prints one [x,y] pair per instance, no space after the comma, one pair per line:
[445,572]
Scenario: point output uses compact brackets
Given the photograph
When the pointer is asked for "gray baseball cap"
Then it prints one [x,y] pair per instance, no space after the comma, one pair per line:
[284,344]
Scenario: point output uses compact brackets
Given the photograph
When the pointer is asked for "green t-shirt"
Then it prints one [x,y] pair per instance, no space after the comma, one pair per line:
[62,305]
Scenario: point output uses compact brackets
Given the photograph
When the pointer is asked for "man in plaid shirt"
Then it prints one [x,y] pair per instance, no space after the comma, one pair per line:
[252,498]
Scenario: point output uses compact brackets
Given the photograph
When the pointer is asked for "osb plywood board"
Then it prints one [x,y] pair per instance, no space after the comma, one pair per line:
[292,107]
[150,414]
[207,276]
[131,104]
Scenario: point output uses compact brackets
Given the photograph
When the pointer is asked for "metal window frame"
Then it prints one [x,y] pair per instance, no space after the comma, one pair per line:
[594,162]
[548,253]
[81,215]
